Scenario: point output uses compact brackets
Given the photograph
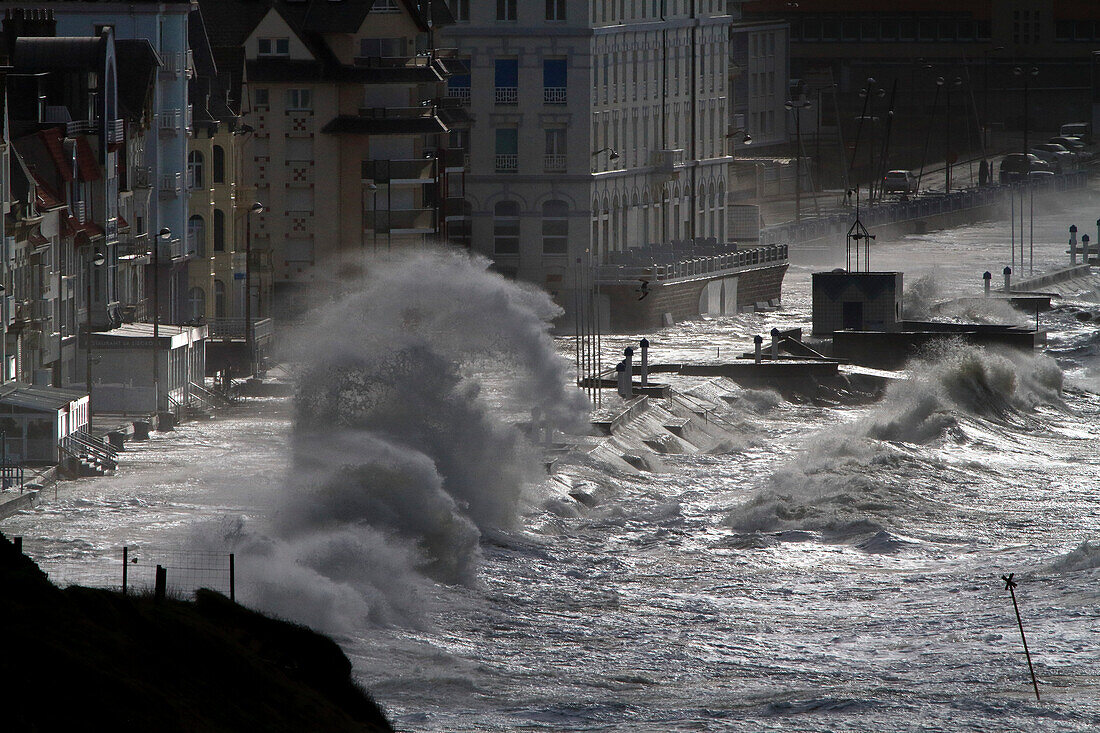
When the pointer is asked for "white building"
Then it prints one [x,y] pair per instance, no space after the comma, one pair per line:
[597,126]
[164,24]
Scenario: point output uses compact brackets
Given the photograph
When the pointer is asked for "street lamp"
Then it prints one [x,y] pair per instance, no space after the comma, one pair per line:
[373,188]
[796,108]
[868,93]
[985,96]
[250,342]
[948,155]
[1026,75]
[613,154]
[95,261]
[165,236]
[746,138]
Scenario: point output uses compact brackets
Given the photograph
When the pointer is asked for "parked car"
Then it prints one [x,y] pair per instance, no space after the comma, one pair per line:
[1016,166]
[1072,144]
[899,182]
[1060,159]
[1082,130]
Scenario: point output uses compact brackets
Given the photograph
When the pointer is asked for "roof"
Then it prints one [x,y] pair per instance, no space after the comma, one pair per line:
[34,397]
[63,53]
[354,125]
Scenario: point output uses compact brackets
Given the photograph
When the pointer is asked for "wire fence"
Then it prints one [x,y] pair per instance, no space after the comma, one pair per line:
[134,570]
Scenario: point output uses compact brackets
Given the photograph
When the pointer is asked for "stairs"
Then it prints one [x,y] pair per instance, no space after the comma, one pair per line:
[92,456]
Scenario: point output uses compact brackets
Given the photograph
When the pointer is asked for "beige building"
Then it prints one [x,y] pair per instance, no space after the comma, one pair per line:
[347,152]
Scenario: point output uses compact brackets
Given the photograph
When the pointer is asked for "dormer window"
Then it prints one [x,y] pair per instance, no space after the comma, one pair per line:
[274,46]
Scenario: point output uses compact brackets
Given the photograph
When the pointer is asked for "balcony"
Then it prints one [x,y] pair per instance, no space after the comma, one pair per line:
[669,161]
[81,127]
[388,121]
[142,177]
[171,185]
[80,211]
[507,163]
[507,95]
[553,163]
[234,328]
[173,63]
[168,121]
[554,95]
[401,221]
[415,170]
[115,131]
[459,94]
[170,250]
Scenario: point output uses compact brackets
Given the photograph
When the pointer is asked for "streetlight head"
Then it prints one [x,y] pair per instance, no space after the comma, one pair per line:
[372,186]
[256,208]
[98,259]
[747,139]
[939,81]
[614,155]
[789,105]
[165,233]
[870,81]
[1017,71]
[1034,70]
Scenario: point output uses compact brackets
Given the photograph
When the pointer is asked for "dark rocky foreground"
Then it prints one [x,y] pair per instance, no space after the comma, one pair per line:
[89,659]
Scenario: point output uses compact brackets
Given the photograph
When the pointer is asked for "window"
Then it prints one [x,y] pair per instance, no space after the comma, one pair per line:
[458,87]
[507,149]
[555,228]
[196,234]
[554,79]
[219,164]
[506,228]
[219,299]
[260,97]
[274,46]
[385,6]
[507,81]
[194,169]
[506,9]
[460,9]
[555,155]
[555,9]
[196,300]
[219,230]
[299,99]
[381,47]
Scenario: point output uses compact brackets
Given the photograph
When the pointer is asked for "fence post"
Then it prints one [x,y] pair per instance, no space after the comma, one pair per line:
[232,578]
[162,584]
[125,566]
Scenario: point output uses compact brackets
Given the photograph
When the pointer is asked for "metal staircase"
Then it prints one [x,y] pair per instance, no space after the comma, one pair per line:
[93,456]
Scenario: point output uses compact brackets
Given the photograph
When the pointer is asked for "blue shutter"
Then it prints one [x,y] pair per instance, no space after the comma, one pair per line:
[553,73]
[507,73]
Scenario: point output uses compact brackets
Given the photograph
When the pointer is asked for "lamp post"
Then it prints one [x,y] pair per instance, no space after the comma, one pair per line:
[373,188]
[613,154]
[165,236]
[95,261]
[796,108]
[1026,74]
[732,135]
[985,96]
[947,154]
[249,339]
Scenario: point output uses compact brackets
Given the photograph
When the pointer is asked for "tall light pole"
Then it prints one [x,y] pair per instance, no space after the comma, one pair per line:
[1026,74]
[95,261]
[373,188]
[164,236]
[249,339]
[796,108]
[948,155]
[985,96]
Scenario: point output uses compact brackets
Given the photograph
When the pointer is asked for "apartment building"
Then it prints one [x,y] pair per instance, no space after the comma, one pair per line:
[164,24]
[597,127]
[349,151]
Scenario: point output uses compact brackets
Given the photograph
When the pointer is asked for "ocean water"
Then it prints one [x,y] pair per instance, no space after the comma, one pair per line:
[836,567]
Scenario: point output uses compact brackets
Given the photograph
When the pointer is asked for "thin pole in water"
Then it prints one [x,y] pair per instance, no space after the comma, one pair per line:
[1031,236]
[1010,586]
[1012,224]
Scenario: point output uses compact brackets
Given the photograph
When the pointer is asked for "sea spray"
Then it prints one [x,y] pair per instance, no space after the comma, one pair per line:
[400,461]
[873,475]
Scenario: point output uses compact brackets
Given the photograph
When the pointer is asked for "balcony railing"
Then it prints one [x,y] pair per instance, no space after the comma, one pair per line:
[553,162]
[462,94]
[142,177]
[554,95]
[81,127]
[170,250]
[506,163]
[171,185]
[115,131]
[234,328]
[169,121]
[80,210]
[507,95]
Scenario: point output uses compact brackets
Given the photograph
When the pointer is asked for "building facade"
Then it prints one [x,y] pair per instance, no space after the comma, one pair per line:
[596,127]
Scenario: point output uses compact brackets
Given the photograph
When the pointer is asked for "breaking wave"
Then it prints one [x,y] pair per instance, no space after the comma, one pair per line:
[401,459]
[860,482]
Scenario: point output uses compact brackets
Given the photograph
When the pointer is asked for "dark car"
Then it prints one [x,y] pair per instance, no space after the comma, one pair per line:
[899,182]
[1073,144]
[1016,166]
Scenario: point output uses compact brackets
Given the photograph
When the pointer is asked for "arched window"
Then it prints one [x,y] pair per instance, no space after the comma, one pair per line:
[196,233]
[194,169]
[196,299]
[219,299]
[555,227]
[219,230]
[219,164]
[506,228]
